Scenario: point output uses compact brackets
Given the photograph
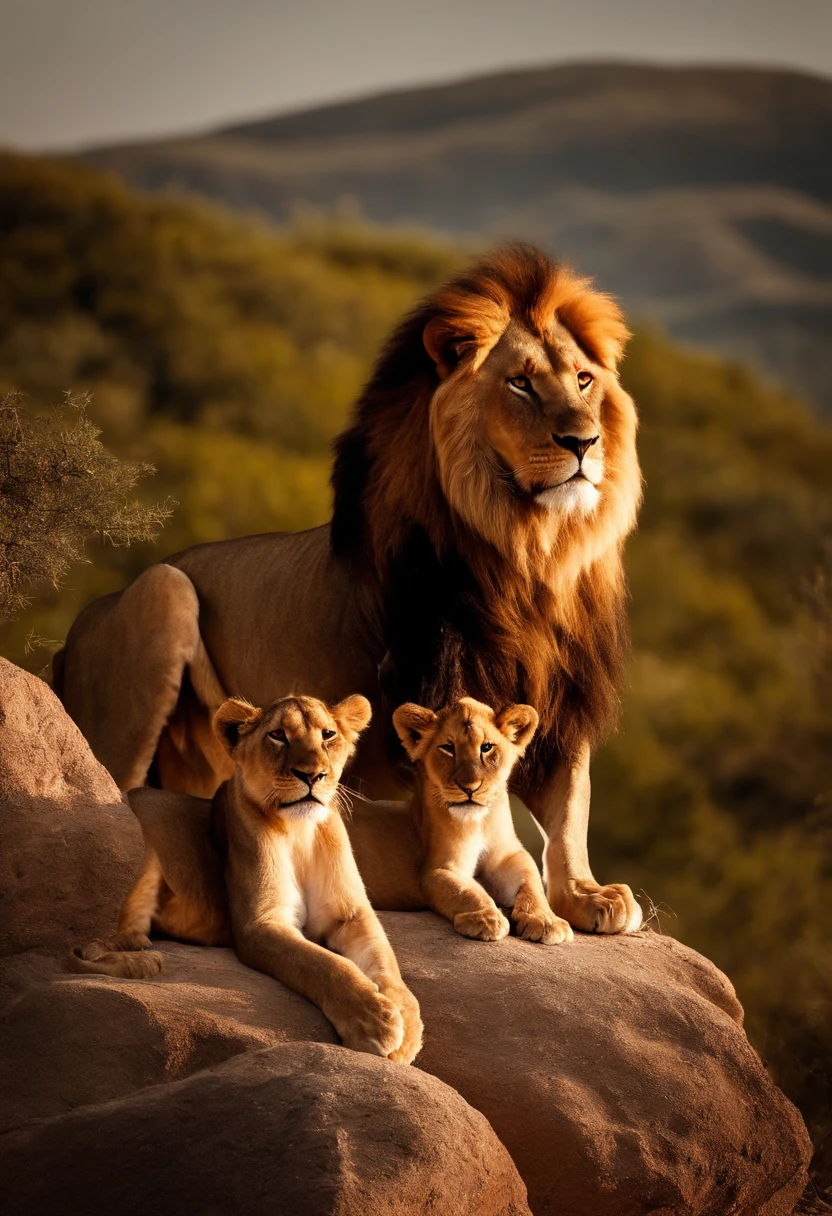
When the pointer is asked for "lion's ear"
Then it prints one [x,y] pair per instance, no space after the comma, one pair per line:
[445,346]
[233,719]
[353,715]
[518,723]
[411,723]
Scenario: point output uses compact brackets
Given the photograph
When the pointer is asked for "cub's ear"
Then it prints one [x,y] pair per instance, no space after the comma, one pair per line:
[446,347]
[233,719]
[411,723]
[518,723]
[352,715]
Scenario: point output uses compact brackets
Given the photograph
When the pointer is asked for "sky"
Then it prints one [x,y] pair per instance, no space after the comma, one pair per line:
[76,72]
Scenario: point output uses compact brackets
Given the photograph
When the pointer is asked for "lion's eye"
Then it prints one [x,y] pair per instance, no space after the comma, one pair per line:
[521,383]
[279,736]
[327,734]
[584,380]
[447,747]
[486,747]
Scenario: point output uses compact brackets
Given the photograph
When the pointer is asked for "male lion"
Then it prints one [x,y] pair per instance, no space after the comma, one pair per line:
[290,880]
[453,848]
[483,492]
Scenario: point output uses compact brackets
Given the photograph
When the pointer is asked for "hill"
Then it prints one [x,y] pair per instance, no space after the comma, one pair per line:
[702,196]
[229,355]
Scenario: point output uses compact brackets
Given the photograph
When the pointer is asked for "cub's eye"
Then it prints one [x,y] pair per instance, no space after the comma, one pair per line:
[521,383]
[486,747]
[584,380]
[327,734]
[447,747]
[279,736]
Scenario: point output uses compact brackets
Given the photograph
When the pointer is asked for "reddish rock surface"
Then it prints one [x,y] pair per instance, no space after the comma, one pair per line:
[68,843]
[614,1070]
[296,1129]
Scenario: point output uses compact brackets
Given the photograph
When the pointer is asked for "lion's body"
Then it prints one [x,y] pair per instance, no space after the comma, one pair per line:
[271,873]
[482,497]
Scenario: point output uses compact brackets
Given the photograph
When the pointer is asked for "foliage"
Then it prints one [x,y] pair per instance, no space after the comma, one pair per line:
[59,488]
[229,355]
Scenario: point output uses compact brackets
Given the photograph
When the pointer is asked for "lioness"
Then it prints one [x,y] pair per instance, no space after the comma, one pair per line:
[289,871]
[457,828]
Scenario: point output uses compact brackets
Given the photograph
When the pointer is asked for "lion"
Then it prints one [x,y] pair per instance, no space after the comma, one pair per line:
[457,827]
[483,491]
[289,879]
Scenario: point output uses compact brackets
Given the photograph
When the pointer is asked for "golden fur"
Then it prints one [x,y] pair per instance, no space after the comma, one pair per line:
[466,557]
[291,899]
[457,851]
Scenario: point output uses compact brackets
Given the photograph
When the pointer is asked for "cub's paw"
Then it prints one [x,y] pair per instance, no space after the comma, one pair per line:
[543,926]
[486,924]
[374,1025]
[411,1044]
[596,909]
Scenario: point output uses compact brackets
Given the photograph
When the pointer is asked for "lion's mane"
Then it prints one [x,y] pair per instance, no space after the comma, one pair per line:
[481,592]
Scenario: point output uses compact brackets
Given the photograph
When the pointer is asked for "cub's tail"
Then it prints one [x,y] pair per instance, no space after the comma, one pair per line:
[127,955]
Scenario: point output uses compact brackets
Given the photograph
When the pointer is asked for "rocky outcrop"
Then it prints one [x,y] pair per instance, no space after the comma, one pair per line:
[614,1071]
[296,1129]
[68,842]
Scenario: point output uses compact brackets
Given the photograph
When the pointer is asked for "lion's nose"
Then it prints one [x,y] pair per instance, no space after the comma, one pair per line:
[309,778]
[573,444]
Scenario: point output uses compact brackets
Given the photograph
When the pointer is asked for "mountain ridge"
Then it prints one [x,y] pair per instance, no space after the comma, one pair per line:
[702,196]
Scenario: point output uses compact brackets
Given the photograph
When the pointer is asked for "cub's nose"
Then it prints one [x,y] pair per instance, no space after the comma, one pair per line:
[309,778]
[579,447]
[469,789]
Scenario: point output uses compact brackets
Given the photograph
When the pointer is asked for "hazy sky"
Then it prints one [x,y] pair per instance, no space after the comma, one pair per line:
[77,71]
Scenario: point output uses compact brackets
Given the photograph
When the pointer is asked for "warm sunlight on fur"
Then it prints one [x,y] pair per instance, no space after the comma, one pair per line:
[457,851]
[515,448]
[290,879]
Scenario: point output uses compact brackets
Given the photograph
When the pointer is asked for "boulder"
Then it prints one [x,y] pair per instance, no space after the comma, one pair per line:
[307,1129]
[615,1071]
[69,844]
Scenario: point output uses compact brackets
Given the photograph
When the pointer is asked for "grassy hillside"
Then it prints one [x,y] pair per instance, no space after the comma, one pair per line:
[229,355]
[702,196]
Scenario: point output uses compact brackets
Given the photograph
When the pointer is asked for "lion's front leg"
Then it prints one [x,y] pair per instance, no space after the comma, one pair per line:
[561,807]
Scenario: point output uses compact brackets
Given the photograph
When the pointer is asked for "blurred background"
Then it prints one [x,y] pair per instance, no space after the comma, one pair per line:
[212,213]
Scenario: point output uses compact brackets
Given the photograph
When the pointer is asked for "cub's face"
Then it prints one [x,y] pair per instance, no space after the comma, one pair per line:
[291,755]
[465,752]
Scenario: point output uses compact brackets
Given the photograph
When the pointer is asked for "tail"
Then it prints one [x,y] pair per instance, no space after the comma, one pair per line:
[127,955]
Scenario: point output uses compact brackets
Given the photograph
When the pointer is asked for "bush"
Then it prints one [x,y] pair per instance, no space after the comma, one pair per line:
[58,489]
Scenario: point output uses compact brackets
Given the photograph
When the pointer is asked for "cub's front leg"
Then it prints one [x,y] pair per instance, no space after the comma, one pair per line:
[360,937]
[365,1018]
[515,880]
[463,902]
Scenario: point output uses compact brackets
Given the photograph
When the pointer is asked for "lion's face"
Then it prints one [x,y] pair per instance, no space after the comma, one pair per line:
[465,752]
[291,756]
[542,419]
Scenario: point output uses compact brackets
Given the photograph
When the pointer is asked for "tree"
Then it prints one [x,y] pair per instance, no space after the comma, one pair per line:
[60,488]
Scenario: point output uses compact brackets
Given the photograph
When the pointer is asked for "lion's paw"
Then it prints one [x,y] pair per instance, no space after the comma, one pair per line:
[543,926]
[411,1044]
[486,924]
[374,1025]
[596,909]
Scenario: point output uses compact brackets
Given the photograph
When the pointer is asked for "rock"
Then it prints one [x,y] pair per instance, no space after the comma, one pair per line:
[614,1070]
[69,845]
[306,1129]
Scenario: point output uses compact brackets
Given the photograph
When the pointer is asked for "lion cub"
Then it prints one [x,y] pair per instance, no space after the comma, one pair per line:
[291,883]
[456,849]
